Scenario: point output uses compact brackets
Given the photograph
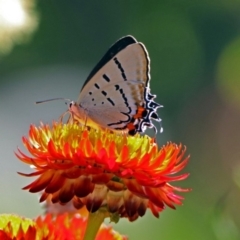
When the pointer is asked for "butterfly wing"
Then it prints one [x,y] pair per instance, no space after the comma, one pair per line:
[114,106]
[116,94]
[113,50]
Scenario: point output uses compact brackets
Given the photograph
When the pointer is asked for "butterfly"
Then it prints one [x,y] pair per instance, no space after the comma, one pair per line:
[116,94]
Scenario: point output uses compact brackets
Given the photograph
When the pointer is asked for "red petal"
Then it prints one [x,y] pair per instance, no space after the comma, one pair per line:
[33,174]
[66,192]
[41,183]
[56,182]
[83,186]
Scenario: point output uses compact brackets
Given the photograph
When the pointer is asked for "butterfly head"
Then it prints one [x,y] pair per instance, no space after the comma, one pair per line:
[72,105]
[77,114]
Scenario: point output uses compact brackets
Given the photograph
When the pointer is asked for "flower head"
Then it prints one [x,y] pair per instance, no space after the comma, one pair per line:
[64,227]
[16,228]
[99,169]
[61,227]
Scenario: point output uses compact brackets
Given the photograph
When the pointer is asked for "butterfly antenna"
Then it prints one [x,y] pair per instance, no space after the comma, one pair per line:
[52,99]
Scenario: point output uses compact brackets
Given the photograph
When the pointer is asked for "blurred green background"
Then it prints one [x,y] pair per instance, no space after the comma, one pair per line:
[47,49]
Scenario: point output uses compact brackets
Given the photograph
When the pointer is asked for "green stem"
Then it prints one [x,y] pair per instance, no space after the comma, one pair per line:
[94,222]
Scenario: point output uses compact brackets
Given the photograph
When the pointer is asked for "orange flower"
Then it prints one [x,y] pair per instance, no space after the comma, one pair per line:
[61,227]
[13,227]
[99,169]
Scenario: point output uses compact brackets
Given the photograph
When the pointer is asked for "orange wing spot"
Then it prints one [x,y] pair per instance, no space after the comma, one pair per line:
[130,126]
[141,112]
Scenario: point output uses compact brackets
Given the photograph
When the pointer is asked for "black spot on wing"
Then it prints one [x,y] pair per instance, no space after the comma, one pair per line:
[150,96]
[120,68]
[106,77]
[154,116]
[132,132]
[111,101]
[153,105]
[113,50]
[120,122]
[96,85]
[104,93]
[117,88]
[125,100]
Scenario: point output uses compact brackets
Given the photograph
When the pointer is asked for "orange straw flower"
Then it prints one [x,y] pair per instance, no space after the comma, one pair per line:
[14,227]
[122,174]
[60,227]
[64,227]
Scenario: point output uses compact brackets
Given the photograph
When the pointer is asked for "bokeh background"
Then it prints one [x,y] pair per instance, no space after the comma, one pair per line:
[47,49]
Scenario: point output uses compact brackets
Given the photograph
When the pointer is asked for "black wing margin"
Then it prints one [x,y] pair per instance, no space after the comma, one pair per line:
[113,50]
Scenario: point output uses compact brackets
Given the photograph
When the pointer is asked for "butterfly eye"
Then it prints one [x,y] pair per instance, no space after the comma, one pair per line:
[71,104]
